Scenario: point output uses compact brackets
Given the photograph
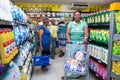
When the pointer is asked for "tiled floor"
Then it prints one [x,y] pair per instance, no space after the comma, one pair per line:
[55,71]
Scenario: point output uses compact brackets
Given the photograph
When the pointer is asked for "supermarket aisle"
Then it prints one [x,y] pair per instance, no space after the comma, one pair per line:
[55,71]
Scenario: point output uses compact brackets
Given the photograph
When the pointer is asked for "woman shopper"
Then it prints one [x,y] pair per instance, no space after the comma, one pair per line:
[77,31]
[44,37]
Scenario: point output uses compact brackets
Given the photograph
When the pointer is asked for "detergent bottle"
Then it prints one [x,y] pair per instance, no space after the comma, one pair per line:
[10,43]
[4,50]
[13,46]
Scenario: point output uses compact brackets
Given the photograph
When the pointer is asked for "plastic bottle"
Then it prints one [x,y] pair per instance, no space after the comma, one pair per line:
[13,47]
[4,50]
[9,42]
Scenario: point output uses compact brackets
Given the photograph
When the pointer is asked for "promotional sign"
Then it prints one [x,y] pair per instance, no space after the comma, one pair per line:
[39,7]
[93,8]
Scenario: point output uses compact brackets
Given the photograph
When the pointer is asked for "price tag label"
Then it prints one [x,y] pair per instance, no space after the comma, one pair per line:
[97,75]
[99,61]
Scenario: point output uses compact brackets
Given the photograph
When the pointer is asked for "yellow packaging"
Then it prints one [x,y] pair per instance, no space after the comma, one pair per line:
[113,79]
[12,46]
[10,43]
[118,68]
[4,50]
[114,65]
[24,77]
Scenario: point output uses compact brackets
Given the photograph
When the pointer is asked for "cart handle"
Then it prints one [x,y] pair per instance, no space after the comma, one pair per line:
[72,42]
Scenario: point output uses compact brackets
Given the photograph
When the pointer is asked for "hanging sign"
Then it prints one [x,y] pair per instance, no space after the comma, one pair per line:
[39,7]
[94,8]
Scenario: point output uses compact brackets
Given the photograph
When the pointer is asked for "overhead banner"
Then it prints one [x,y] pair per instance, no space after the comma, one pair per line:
[94,8]
[39,7]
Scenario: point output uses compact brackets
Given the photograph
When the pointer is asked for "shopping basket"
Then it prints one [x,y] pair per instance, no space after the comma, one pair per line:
[41,60]
[74,66]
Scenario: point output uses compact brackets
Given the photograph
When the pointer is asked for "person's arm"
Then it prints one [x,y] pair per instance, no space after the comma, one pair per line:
[40,38]
[85,35]
[68,34]
[51,30]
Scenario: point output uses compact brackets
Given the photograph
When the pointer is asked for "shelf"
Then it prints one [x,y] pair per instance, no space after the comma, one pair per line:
[113,75]
[99,43]
[115,58]
[99,26]
[7,23]
[98,60]
[11,23]
[116,37]
[93,72]
[20,23]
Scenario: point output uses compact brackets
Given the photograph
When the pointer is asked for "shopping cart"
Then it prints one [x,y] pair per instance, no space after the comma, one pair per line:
[74,66]
[41,60]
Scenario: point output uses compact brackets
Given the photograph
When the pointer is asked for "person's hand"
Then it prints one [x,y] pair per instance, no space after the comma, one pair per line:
[69,41]
[85,41]
[41,48]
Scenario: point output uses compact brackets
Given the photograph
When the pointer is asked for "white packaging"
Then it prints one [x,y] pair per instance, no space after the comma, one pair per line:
[106,55]
[89,49]
[99,52]
[102,54]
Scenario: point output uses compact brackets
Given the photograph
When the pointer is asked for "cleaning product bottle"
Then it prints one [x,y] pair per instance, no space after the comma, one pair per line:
[4,50]
[9,42]
[7,36]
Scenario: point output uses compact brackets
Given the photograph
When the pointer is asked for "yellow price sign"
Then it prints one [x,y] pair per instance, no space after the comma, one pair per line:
[39,7]
[94,8]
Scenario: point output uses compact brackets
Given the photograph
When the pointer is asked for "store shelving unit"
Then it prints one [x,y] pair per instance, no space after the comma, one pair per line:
[95,26]
[10,24]
[6,66]
[113,37]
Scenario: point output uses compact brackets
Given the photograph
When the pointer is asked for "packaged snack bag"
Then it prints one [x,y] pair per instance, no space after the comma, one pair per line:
[118,68]
[107,16]
[114,65]
[117,21]
[116,48]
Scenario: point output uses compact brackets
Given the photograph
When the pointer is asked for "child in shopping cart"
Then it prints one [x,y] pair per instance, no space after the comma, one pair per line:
[74,63]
